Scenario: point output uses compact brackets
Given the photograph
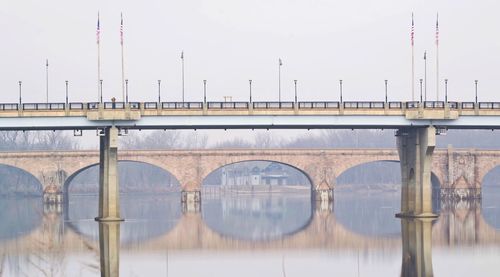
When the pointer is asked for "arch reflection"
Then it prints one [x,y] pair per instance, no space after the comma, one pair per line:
[147,217]
[20,216]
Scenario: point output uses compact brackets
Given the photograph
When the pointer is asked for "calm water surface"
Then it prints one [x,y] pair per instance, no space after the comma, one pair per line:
[274,234]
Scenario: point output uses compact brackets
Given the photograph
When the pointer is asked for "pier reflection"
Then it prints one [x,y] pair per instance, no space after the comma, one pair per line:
[109,248]
[417,247]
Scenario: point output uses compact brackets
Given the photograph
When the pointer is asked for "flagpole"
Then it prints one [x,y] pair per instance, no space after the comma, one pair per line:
[412,59]
[437,57]
[182,61]
[279,79]
[47,79]
[123,62]
[99,92]
[425,75]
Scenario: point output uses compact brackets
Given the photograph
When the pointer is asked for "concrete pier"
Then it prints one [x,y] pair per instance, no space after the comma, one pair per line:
[415,148]
[109,193]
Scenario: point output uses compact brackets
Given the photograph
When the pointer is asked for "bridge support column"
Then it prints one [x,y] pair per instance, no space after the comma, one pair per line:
[417,247]
[109,248]
[191,200]
[109,193]
[415,148]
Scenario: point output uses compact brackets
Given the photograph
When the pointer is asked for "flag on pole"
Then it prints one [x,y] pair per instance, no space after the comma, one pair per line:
[437,29]
[121,28]
[280,62]
[412,31]
[98,32]
[182,55]
[425,55]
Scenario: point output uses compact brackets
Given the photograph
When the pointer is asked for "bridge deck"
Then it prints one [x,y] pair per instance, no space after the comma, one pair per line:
[245,115]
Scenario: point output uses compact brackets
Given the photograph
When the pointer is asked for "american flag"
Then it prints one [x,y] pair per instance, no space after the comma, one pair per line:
[121,29]
[437,29]
[412,30]
[280,62]
[98,32]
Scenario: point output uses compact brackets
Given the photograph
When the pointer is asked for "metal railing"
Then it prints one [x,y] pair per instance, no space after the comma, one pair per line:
[273,105]
[319,105]
[182,105]
[239,105]
[363,105]
[43,106]
[9,107]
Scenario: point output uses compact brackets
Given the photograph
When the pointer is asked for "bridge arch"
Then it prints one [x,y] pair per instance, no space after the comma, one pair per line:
[39,184]
[294,167]
[75,173]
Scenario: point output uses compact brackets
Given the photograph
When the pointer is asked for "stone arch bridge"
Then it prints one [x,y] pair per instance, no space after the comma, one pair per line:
[459,171]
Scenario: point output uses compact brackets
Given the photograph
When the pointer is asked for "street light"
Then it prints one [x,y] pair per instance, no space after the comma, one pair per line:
[475,82]
[295,83]
[100,88]
[205,91]
[340,90]
[250,83]
[126,91]
[385,91]
[421,80]
[20,92]
[66,92]
[446,90]
[159,92]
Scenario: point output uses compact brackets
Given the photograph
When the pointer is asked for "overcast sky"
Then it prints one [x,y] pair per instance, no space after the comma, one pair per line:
[228,42]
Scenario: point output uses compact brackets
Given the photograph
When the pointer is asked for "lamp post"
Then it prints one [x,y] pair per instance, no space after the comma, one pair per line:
[159,92]
[385,91]
[475,82]
[250,84]
[340,81]
[446,90]
[100,88]
[66,92]
[205,91]
[421,80]
[295,83]
[126,91]
[20,93]
[425,75]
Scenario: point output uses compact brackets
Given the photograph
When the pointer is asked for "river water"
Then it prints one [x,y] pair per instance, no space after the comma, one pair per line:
[261,234]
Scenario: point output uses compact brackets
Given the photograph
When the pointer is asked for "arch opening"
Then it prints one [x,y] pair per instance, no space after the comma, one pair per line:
[149,200]
[490,192]
[16,182]
[368,195]
[257,200]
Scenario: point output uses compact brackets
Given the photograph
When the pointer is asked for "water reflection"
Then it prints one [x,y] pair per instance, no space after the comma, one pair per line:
[147,216]
[20,216]
[257,217]
[269,232]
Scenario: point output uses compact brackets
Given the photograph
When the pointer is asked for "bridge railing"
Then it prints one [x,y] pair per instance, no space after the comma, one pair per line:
[43,106]
[364,105]
[319,105]
[434,104]
[181,105]
[395,105]
[9,107]
[114,105]
[227,105]
[412,105]
[489,105]
[273,105]
[468,105]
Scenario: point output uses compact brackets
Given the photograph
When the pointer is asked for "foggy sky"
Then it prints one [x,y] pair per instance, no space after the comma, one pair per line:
[228,42]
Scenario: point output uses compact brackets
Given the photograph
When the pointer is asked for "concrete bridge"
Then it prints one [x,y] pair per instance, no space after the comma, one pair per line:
[459,171]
